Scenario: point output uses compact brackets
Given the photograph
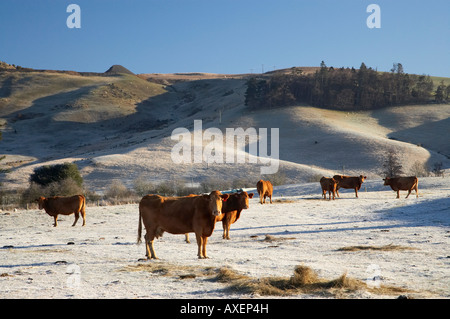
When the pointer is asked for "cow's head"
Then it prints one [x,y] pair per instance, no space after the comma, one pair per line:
[387,181]
[40,201]
[215,202]
[243,199]
[362,178]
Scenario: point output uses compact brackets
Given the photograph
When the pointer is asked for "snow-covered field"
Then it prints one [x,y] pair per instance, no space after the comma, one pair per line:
[99,260]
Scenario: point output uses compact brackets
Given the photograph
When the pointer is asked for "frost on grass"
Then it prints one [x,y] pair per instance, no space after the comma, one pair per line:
[303,281]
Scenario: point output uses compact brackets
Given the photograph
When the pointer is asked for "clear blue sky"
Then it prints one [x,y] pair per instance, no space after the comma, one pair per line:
[225,36]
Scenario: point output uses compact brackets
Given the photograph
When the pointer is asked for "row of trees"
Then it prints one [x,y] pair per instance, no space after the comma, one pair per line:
[344,89]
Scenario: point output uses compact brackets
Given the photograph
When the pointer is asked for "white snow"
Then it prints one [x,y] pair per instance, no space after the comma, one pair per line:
[41,261]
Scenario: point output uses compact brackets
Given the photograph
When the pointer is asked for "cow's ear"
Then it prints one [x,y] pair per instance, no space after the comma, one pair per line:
[250,195]
[225,197]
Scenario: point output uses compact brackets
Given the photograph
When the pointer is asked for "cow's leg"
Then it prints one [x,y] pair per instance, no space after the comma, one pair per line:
[398,193]
[199,238]
[260,198]
[224,225]
[337,192]
[56,220]
[409,192]
[186,238]
[226,222]
[83,215]
[270,197]
[356,192]
[150,251]
[77,215]
[204,241]
[417,191]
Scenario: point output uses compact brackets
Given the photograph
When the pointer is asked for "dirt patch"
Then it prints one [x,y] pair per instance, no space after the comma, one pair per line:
[270,238]
[172,270]
[389,247]
[283,201]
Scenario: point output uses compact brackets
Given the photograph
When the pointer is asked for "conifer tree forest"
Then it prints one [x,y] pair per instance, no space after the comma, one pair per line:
[344,89]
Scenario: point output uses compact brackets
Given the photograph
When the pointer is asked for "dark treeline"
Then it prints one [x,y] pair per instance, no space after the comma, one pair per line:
[343,89]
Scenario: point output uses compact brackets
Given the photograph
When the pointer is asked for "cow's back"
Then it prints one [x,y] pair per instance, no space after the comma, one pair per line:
[347,181]
[264,187]
[260,186]
[172,214]
[404,183]
[64,205]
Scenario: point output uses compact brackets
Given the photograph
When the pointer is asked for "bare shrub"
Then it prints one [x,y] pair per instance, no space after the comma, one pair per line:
[214,183]
[143,187]
[437,169]
[118,194]
[278,178]
[420,169]
[314,178]
[117,190]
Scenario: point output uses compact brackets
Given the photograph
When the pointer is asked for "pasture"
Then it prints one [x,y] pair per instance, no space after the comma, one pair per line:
[377,240]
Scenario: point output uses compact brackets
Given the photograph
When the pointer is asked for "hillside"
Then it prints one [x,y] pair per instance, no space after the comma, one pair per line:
[119,127]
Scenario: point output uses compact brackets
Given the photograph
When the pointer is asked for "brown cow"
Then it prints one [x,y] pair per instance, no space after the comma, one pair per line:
[264,188]
[231,211]
[349,182]
[403,184]
[179,215]
[59,205]
[328,185]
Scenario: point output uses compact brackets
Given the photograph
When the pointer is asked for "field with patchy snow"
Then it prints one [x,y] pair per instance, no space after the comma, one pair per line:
[101,259]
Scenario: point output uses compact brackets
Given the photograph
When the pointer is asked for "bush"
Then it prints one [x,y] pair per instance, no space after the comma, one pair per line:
[48,174]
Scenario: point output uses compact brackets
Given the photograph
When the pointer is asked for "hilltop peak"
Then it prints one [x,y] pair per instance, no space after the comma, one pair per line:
[118,69]
[6,66]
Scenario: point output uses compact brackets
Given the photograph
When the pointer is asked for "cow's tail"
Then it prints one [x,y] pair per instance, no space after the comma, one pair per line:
[83,205]
[140,226]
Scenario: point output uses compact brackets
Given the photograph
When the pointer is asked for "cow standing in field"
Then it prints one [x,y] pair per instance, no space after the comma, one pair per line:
[265,189]
[353,182]
[328,185]
[59,205]
[403,184]
[231,211]
[179,215]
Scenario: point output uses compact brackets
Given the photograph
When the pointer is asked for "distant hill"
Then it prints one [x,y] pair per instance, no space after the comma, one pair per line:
[119,127]
[118,69]
[6,66]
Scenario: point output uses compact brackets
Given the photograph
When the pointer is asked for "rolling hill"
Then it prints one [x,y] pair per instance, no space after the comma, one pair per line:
[117,125]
